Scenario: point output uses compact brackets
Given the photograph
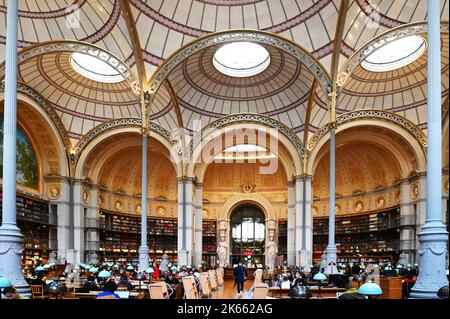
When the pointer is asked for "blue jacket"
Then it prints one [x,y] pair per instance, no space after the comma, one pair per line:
[239,273]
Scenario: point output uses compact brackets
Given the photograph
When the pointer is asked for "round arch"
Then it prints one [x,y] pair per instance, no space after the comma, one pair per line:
[410,140]
[60,152]
[114,131]
[292,161]
[247,198]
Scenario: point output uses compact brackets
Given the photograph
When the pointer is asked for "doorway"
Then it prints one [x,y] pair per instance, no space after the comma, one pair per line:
[248,232]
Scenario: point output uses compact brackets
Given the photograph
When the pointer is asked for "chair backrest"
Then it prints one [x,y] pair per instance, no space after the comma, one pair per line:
[212,279]
[219,275]
[37,291]
[156,291]
[204,283]
[258,276]
[190,290]
[260,291]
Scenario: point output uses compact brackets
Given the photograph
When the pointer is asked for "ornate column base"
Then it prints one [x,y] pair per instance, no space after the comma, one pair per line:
[432,275]
[331,260]
[143,259]
[10,258]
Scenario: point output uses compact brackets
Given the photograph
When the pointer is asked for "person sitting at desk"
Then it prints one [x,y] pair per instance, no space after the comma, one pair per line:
[11,293]
[39,281]
[172,280]
[90,285]
[351,293]
[124,282]
[407,285]
[108,291]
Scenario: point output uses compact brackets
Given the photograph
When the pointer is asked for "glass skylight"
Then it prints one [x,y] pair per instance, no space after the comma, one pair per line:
[241,59]
[395,54]
[94,68]
[245,148]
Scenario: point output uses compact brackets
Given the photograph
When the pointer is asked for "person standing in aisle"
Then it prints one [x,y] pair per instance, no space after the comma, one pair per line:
[239,275]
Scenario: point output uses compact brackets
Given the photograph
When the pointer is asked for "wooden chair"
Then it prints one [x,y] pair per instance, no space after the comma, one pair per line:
[190,289]
[212,280]
[219,275]
[260,291]
[258,277]
[204,283]
[37,292]
[156,291]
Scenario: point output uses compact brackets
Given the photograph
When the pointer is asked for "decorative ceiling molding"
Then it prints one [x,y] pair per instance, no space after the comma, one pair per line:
[68,9]
[119,123]
[246,118]
[399,32]
[371,114]
[81,47]
[48,109]
[311,63]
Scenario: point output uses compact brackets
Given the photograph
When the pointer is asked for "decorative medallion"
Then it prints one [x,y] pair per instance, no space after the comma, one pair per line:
[86,196]
[248,188]
[54,191]
[414,191]
[101,200]
[337,209]
[118,205]
[161,211]
[358,206]
[138,209]
[381,202]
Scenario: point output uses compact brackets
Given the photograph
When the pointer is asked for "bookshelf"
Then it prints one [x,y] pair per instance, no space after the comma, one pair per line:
[368,237]
[120,237]
[33,222]
[209,242]
[282,238]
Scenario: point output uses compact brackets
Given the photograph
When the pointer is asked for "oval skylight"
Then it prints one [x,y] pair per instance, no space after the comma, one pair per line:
[245,148]
[94,68]
[241,59]
[395,54]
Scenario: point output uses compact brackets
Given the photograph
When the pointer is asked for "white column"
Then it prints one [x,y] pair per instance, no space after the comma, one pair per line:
[63,227]
[185,221]
[198,223]
[10,236]
[92,234]
[419,205]
[143,249]
[307,234]
[331,248]
[407,224]
[298,218]
[433,236]
[78,223]
[291,224]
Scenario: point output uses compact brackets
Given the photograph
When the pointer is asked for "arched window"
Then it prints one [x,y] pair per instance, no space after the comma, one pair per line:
[247,235]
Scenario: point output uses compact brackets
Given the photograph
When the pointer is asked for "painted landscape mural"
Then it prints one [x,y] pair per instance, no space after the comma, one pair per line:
[27,170]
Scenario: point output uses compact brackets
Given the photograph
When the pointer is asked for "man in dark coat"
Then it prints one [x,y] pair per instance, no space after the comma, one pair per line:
[239,275]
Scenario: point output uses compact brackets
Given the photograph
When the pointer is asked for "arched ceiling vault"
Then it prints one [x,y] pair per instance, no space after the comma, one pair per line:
[144,33]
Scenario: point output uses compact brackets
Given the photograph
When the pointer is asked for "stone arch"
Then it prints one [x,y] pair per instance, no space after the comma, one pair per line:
[247,198]
[412,140]
[291,161]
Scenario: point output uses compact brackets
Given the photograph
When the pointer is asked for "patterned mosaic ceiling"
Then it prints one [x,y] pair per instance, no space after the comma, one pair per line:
[144,33]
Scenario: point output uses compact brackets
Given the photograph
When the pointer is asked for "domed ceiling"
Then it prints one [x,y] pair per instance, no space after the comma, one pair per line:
[144,33]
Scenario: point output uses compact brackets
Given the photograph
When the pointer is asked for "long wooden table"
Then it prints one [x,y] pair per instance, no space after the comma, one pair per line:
[325,292]
[93,294]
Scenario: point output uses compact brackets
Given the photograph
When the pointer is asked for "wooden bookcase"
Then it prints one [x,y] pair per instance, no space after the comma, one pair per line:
[282,238]
[209,242]
[370,236]
[33,222]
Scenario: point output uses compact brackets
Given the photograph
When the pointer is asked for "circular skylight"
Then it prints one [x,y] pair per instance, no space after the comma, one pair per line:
[395,54]
[241,59]
[245,148]
[94,68]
